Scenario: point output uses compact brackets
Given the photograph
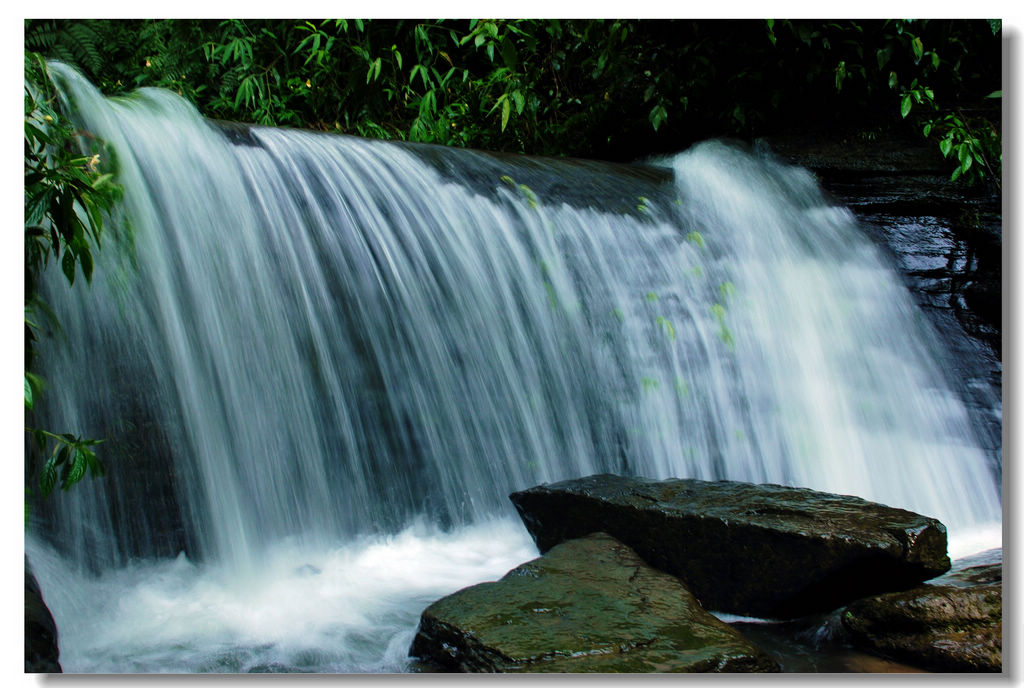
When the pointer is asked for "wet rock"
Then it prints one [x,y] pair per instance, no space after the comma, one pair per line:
[41,653]
[854,155]
[901,191]
[953,623]
[756,550]
[588,605]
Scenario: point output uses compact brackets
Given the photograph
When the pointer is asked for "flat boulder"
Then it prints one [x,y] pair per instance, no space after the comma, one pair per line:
[952,623]
[588,605]
[756,550]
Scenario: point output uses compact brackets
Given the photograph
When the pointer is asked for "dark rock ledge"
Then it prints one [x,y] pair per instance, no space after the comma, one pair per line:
[756,550]
[41,653]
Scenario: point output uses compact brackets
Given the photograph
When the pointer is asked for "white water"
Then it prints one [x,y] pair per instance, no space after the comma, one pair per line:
[353,608]
[324,340]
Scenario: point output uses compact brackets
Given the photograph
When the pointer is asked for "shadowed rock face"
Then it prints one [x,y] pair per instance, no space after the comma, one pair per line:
[953,623]
[757,550]
[41,653]
[588,605]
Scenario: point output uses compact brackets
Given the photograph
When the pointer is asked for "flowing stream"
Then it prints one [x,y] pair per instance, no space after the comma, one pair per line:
[322,363]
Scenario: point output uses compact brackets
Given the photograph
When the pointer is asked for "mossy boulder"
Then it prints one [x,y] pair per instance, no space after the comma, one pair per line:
[588,605]
[757,550]
[41,653]
[954,623]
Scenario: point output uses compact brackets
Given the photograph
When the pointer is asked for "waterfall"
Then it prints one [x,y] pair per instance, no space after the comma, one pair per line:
[308,349]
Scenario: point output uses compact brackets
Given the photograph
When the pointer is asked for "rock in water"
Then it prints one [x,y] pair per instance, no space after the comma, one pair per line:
[41,653]
[953,623]
[757,550]
[588,605]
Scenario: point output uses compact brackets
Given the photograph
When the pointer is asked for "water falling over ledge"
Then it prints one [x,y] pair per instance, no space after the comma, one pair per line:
[326,351]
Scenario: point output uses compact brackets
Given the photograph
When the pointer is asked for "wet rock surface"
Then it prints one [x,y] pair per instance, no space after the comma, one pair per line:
[945,240]
[756,550]
[41,653]
[951,623]
[588,605]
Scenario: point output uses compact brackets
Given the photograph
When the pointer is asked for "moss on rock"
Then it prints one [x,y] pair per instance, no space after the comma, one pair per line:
[588,605]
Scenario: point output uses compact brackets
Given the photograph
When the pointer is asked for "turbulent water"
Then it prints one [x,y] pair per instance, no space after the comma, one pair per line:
[324,362]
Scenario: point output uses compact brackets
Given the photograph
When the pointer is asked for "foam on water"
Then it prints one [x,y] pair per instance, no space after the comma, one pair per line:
[352,608]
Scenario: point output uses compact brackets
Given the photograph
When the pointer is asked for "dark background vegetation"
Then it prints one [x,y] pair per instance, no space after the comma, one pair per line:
[606,89]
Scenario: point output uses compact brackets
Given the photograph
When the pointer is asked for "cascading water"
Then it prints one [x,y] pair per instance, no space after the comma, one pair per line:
[332,360]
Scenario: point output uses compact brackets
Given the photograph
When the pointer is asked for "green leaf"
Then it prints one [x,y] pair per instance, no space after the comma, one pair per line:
[906,105]
[963,154]
[508,53]
[946,145]
[78,465]
[520,100]
[95,466]
[882,56]
[33,132]
[102,181]
[48,476]
[696,238]
[38,205]
[506,109]
[40,437]
[85,258]
[67,264]
[428,105]
[657,116]
[935,59]
[28,395]
[918,48]
[995,94]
